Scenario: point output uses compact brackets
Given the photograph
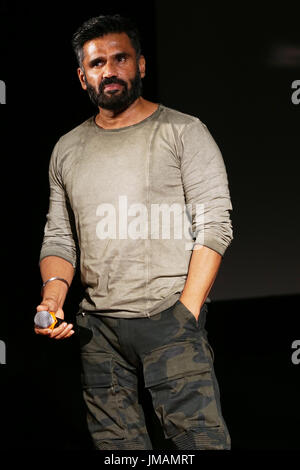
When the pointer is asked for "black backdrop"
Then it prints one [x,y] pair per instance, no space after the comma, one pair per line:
[228,68]
[234,67]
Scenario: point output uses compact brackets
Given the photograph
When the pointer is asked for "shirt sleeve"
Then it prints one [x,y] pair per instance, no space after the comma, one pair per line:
[206,189]
[59,232]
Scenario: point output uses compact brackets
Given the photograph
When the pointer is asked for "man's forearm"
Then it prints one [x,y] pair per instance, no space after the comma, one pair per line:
[203,269]
[56,290]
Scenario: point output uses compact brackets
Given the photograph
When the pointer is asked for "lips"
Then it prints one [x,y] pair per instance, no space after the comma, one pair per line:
[113,86]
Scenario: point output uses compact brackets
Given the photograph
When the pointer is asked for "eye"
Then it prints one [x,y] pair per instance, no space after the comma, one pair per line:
[121,57]
[97,63]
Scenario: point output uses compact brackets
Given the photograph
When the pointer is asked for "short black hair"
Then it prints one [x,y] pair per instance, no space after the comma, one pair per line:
[99,26]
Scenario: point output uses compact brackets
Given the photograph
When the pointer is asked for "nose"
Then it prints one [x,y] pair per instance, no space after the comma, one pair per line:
[109,70]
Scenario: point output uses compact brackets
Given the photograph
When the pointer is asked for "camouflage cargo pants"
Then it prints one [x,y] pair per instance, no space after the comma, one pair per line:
[171,350]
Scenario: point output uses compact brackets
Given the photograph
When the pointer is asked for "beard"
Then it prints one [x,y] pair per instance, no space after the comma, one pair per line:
[115,101]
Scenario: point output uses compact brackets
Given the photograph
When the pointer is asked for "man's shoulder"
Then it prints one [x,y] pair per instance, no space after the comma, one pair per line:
[179,118]
[76,134]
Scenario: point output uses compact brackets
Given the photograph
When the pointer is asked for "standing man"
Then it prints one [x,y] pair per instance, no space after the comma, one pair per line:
[140,192]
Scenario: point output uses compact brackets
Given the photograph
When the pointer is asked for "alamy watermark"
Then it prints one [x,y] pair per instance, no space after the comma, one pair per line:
[296,354]
[155,221]
[2,352]
[2,92]
[2,343]
[296,94]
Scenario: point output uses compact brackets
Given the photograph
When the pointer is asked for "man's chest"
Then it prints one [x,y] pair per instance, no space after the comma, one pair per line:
[143,170]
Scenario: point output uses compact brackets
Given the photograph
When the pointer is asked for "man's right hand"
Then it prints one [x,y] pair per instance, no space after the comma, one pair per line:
[62,331]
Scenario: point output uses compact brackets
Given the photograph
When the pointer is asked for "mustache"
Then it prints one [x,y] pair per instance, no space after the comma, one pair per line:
[109,81]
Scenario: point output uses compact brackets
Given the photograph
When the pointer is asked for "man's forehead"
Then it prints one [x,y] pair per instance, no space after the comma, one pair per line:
[110,43]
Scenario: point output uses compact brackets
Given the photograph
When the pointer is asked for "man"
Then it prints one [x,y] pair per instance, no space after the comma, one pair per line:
[140,192]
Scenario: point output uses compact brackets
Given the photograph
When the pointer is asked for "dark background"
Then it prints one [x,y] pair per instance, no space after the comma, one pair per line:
[231,68]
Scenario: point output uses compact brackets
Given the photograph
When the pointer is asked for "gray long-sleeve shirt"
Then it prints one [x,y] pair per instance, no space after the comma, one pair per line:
[134,202]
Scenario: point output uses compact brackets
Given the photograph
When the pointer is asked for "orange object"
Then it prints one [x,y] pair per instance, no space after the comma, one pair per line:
[54,320]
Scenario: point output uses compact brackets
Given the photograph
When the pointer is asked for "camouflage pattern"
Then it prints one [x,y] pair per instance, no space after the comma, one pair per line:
[171,352]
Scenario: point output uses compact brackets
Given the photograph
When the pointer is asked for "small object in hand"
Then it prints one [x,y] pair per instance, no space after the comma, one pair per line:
[45,319]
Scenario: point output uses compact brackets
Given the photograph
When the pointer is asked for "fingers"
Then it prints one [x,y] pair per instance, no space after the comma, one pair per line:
[63,331]
[48,304]
[42,331]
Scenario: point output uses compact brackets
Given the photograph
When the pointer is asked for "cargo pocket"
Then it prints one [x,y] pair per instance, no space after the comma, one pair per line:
[179,378]
[100,392]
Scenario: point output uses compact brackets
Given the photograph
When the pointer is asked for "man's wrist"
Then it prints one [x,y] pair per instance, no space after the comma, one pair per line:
[54,292]
[54,279]
[192,303]
[49,300]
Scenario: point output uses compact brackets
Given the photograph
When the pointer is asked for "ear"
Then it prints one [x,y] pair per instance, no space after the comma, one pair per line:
[81,78]
[142,66]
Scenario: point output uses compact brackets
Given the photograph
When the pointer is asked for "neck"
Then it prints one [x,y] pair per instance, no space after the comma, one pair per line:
[135,113]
